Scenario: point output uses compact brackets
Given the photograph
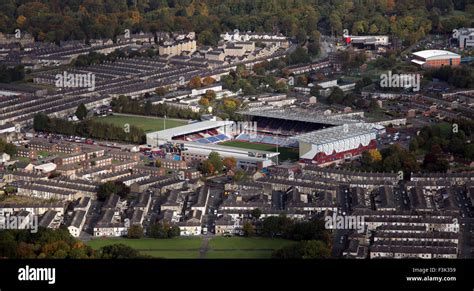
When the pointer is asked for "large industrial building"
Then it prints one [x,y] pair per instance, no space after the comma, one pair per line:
[436,58]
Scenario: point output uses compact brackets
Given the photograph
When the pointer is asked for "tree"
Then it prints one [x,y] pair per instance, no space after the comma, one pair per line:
[375,154]
[207,168]
[366,159]
[307,230]
[210,95]
[195,82]
[21,20]
[8,148]
[248,229]
[433,162]
[161,91]
[312,249]
[216,161]
[25,251]
[156,230]
[109,188]
[336,96]
[207,38]
[105,190]
[148,107]
[275,226]
[300,55]
[204,101]
[414,145]
[256,213]
[208,81]
[40,122]
[174,231]
[374,106]
[240,175]
[119,251]
[135,231]
[314,43]
[229,163]
[163,230]
[335,23]
[81,111]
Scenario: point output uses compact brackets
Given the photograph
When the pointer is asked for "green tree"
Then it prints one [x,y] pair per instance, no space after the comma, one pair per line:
[300,55]
[174,231]
[336,96]
[207,168]
[248,229]
[216,161]
[156,230]
[119,251]
[135,231]
[81,111]
[112,187]
[256,213]
[40,122]
[148,107]
[312,249]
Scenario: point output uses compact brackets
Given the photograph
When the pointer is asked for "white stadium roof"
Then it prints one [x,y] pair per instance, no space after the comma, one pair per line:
[435,54]
[339,139]
[225,151]
[168,134]
[305,115]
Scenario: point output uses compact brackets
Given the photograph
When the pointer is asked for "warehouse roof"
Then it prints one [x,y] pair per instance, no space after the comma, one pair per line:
[336,133]
[428,54]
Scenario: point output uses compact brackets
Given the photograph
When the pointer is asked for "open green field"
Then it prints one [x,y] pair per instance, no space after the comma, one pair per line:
[244,248]
[190,248]
[246,243]
[150,243]
[285,153]
[148,124]
[173,254]
[254,254]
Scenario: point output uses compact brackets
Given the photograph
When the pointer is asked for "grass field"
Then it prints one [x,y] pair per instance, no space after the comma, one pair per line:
[239,254]
[247,243]
[285,153]
[150,243]
[148,124]
[189,248]
[244,248]
[173,254]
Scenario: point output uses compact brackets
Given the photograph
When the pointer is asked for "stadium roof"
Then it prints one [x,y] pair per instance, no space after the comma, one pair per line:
[429,54]
[336,133]
[418,62]
[304,115]
[168,134]
[227,150]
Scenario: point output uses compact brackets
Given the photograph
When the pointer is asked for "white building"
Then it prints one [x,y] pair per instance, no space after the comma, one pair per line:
[465,37]
[77,223]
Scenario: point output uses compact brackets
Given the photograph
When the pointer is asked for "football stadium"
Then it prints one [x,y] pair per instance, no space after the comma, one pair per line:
[321,136]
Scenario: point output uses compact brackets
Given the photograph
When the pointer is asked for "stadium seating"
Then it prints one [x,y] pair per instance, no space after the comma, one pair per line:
[284,127]
[267,139]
